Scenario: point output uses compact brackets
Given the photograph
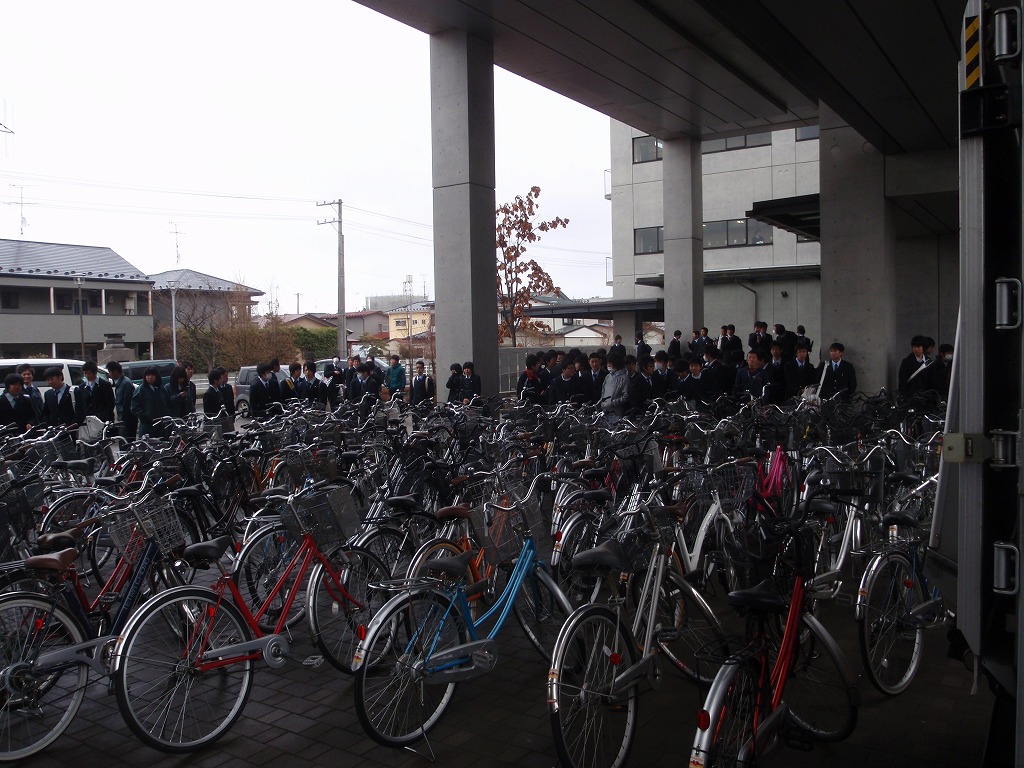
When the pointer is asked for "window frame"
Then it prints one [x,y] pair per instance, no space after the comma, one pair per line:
[659,149]
[659,241]
[729,237]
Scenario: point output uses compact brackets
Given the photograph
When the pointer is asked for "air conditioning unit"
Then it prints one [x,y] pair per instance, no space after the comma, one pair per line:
[129,303]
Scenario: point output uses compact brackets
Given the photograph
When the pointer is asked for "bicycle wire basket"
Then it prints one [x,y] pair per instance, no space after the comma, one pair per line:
[639,542]
[734,483]
[215,427]
[326,516]
[18,512]
[504,529]
[159,520]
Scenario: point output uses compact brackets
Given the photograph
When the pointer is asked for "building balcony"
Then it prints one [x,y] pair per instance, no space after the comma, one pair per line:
[64,328]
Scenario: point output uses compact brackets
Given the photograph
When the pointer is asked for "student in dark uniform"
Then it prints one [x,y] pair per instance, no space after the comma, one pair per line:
[422,389]
[179,394]
[566,387]
[799,373]
[260,396]
[454,383]
[59,402]
[227,392]
[27,373]
[641,389]
[273,383]
[839,375]
[213,397]
[95,395]
[312,386]
[593,377]
[471,384]
[124,390]
[16,407]
[149,403]
[293,388]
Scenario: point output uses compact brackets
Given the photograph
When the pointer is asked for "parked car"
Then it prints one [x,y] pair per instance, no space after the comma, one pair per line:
[246,376]
[135,371]
[72,369]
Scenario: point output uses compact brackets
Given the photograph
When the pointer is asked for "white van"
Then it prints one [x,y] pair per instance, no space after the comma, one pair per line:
[72,369]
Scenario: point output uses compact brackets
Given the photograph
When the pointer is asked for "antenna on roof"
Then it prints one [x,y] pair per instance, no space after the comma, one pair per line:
[177,253]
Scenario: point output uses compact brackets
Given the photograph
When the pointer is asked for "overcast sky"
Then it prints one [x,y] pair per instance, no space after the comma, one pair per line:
[232,119]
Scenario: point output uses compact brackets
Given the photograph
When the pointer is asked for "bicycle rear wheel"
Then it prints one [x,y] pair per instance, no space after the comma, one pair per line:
[165,698]
[338,607]
[729,741]
[685,625]
[891,639]
[398,699]
[36,705]
[261,563]
[593,724]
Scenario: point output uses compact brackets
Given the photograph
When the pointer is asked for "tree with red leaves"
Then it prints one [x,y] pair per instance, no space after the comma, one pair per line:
[520,279]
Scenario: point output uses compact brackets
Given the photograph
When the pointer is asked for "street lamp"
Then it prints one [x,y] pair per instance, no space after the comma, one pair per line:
[81,319]
[174,319]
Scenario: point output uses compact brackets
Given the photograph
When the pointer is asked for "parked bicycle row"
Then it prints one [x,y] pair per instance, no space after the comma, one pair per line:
[405,538]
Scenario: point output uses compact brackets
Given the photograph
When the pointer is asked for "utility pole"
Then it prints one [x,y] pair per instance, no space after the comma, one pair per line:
[21,205]
[342,330]
[297,303]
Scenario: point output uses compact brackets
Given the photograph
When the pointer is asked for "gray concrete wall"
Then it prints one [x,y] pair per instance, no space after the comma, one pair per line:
[684,233]
[928,280]
[64,328]
[462,141]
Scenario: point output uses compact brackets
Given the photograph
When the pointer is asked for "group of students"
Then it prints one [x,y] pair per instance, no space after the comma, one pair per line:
[116,399]
[24,405]
[359,382]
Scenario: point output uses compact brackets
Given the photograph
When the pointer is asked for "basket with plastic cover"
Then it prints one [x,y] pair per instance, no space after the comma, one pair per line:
[330,517]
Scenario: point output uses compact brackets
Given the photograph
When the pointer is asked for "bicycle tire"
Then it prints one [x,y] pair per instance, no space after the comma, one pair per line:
[391,546]
[686,624]
[592,726]
[335,621]
[395,702]
[261,564]
[729,740]
[37,705]
[821,689]
[541,609]
[165,701]
[891,641]
[95,551]
[579,534]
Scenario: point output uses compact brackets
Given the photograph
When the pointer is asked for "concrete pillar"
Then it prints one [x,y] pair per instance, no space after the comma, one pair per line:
[462,137]
[858,245]
[684,236]
[103,301]
[625,325]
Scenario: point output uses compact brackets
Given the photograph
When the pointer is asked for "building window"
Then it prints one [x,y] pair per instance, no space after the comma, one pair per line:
[649,240]
[646,149]
[96,300]
[808,132]
[709,146]
[733,233]
[9,300]
[64,301]
[399,323]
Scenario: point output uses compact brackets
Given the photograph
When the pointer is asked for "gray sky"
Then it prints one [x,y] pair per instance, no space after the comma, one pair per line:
[261,109]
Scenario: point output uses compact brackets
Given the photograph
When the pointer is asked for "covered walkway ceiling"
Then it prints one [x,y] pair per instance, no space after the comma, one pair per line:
[706,68]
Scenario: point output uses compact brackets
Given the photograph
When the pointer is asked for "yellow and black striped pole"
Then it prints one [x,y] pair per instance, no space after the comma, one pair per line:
[972,52]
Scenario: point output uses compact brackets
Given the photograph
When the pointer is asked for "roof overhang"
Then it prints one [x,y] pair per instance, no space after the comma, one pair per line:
[647,310]
[760,275]
[800,215]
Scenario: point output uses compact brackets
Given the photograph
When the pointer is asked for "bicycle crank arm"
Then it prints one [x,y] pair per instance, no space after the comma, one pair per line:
[273,647]
[632,675]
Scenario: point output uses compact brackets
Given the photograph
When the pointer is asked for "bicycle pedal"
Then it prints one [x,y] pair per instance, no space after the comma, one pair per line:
[844,599]
[795,738]
[668,634]
[313,661]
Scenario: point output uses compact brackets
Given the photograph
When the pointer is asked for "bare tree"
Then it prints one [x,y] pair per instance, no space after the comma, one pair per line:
[519,279]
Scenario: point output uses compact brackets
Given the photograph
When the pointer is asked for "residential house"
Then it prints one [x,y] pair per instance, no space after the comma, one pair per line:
[62,300]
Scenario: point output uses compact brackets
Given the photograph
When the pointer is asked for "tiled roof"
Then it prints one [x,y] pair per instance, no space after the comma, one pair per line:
[189,279]
[419,306]
[26,258]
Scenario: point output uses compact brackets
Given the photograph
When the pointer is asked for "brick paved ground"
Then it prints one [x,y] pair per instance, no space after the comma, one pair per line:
[304,717]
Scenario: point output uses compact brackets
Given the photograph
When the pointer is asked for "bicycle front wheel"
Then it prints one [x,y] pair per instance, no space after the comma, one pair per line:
[164,695]
[891,638]
[592,721]
[685,625]
[261,564]
[341,601]
[821,689]
[541,609]
[36,704]
[399,696]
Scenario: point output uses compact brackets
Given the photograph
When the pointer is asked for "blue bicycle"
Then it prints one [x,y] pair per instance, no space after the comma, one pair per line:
[425,639]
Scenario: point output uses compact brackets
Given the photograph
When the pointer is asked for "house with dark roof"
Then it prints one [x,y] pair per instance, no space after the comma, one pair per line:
[58,300]
[201,300]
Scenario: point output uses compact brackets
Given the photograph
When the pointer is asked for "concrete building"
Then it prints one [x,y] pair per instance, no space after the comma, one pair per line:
[752,270]
[56,299]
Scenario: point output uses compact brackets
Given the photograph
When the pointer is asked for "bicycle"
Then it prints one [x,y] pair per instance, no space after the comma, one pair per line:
[184,664]
[425,639]
[895,606]
[797,684]
[602,656]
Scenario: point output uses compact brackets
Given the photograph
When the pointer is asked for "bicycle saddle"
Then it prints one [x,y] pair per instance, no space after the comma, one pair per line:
[763,598]
[607,554]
